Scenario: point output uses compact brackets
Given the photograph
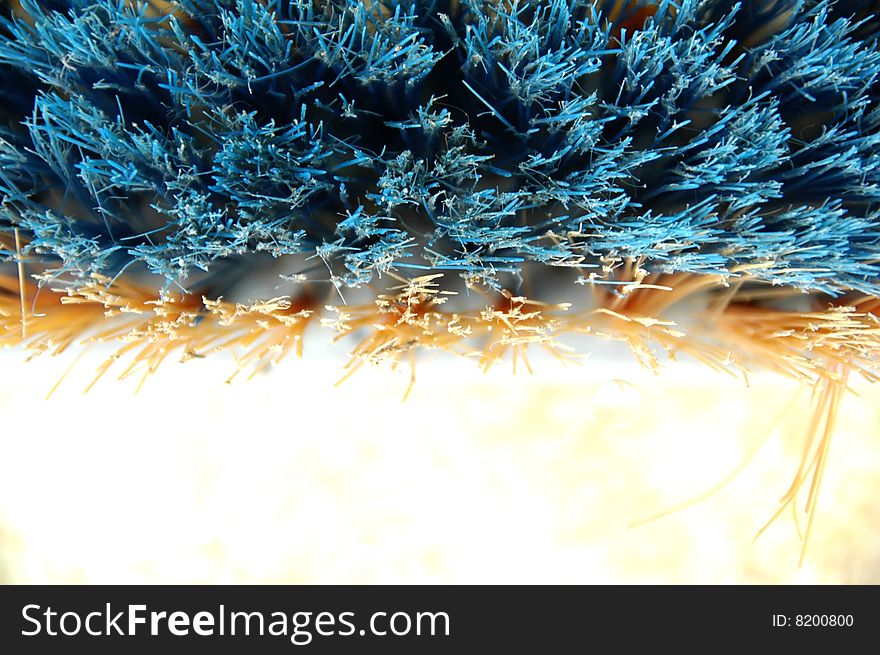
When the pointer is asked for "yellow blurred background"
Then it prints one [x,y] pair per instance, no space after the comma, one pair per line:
[476,478]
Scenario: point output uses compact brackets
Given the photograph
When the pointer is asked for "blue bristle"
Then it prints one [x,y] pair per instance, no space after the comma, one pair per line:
[469,137]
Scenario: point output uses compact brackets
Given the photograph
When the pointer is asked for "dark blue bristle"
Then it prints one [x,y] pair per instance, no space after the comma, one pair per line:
[473,137]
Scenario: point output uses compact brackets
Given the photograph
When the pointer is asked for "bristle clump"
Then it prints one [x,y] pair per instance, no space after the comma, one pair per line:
[193,145]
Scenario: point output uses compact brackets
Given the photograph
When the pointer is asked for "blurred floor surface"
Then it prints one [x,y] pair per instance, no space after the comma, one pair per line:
[475,478]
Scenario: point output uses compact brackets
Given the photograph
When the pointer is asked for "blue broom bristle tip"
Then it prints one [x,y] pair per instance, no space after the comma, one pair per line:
[199,138]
